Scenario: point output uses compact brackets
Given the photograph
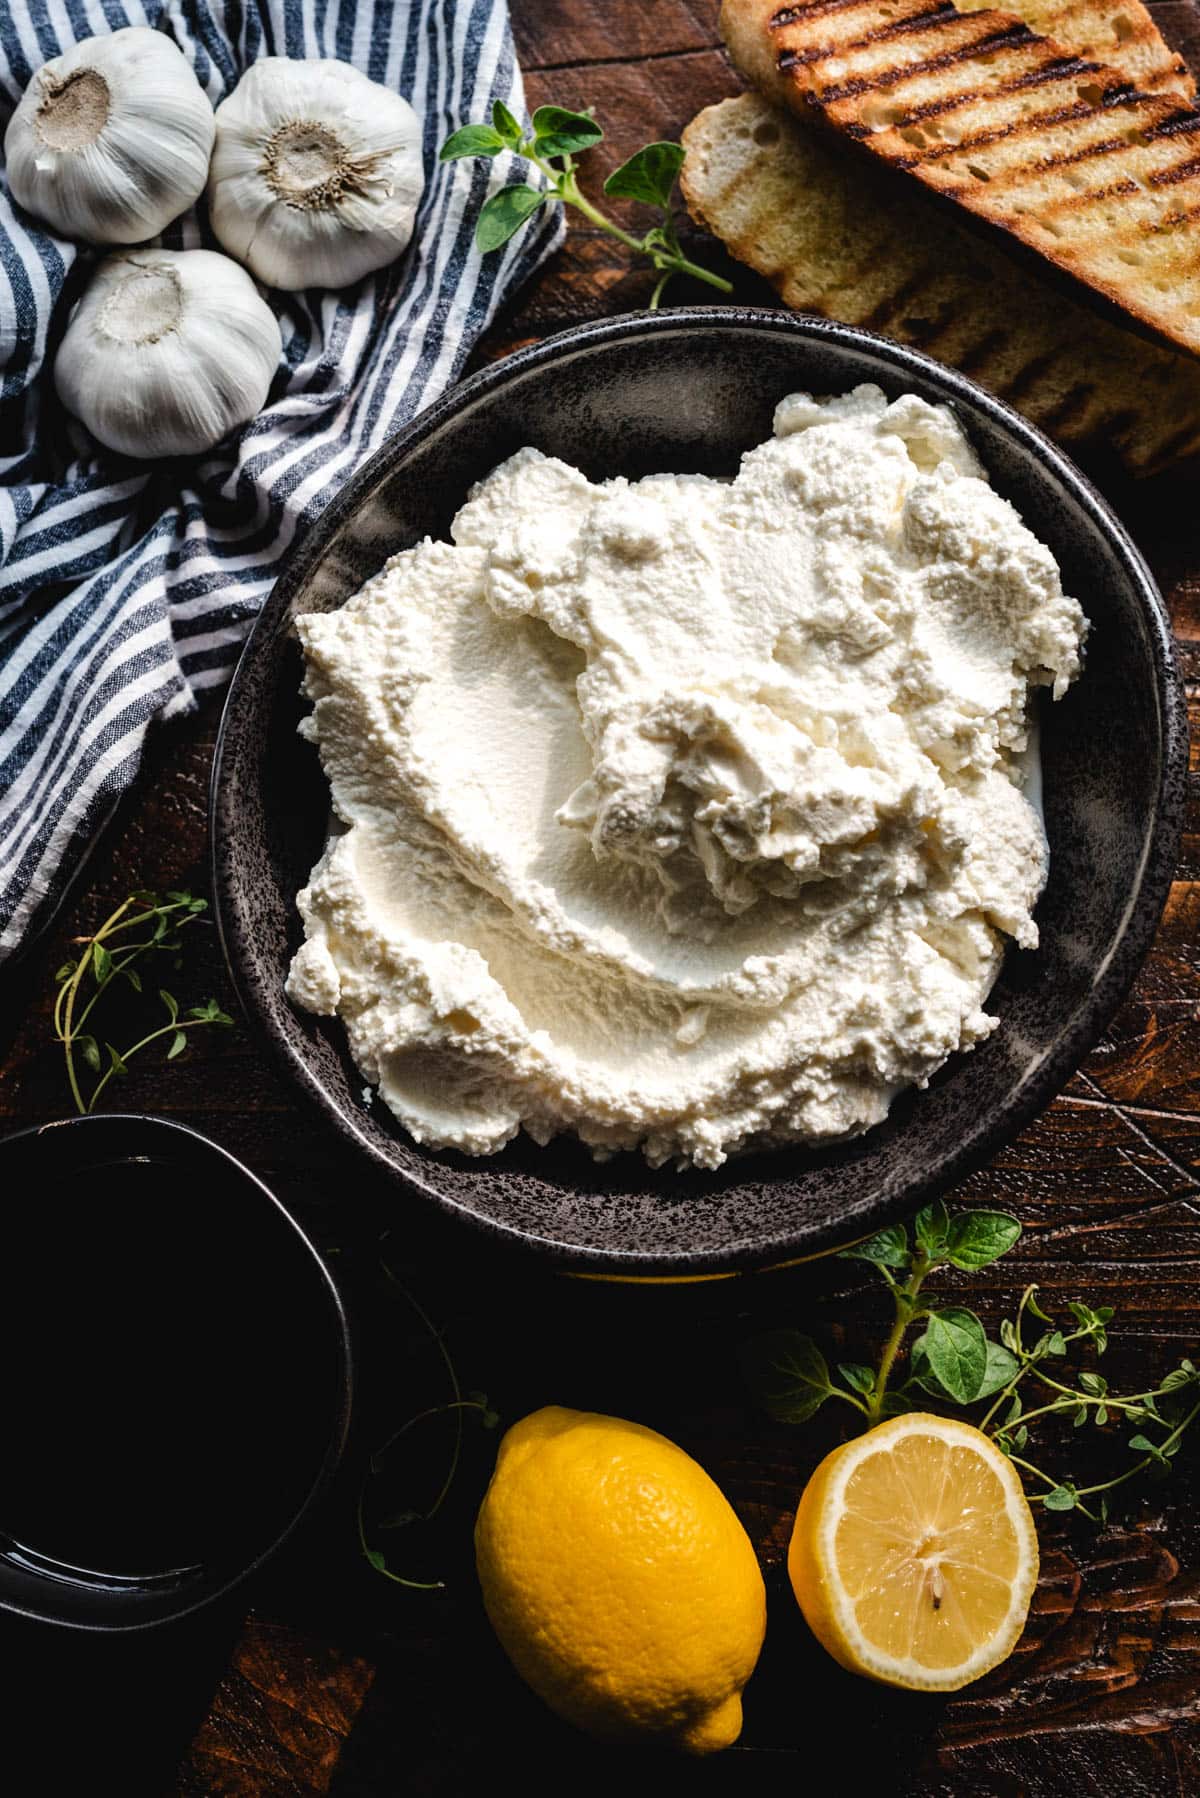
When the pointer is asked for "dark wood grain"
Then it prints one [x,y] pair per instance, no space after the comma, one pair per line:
[339,1683]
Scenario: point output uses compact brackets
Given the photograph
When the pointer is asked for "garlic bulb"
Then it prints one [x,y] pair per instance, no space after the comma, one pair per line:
[316,175]
[167,351]
[111,140]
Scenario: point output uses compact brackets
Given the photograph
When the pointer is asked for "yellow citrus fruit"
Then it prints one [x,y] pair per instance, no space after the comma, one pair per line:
[914,1555]
[619,1581]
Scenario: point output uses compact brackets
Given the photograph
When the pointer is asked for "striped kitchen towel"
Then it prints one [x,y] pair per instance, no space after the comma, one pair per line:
[127,588]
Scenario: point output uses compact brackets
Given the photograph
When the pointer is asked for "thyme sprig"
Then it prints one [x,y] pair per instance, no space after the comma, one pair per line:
[1027,1375]
[458,1405]
[554,139]
[142,926]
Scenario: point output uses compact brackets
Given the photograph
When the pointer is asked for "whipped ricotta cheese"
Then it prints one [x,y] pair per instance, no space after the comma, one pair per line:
[685,814]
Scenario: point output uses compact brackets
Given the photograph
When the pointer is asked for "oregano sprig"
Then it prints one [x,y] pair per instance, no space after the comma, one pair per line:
[142,926]
[1026,1375]
[554,139]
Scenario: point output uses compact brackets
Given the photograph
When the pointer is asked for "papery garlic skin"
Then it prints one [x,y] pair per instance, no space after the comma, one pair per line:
[167,352]
[111,140]
[316,174]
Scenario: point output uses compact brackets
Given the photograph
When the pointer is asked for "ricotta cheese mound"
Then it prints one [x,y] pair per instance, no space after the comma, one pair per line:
[682,813]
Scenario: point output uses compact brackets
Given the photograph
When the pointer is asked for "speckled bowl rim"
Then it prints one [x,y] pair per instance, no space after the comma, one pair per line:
[895,1196]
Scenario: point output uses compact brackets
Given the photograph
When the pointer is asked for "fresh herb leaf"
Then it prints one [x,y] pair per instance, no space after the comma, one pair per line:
[171,1003]
[974,1239]
[102,960]
[931,1227]
[505,124]
[888,1248]
[1062,1498]
[472,140]
[859,1378]
[505,213]
[90,1050]
[649,175]
[178,1045]
[787,1374]
[999,1368]
[557,132]
[956,1348]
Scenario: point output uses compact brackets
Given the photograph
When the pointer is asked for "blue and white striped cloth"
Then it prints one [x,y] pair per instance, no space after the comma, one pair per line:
[127,588]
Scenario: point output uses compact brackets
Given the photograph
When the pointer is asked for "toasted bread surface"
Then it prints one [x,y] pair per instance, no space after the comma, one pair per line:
[1060,153]
[1123,35]
[835,235]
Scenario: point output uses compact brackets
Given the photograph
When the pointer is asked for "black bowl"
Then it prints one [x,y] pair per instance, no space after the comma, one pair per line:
[157,1300]
[691,390]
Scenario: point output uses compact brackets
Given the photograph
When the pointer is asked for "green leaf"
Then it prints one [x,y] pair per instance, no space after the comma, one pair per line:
[932,1228]
[90,1049]
[1056,1343]
[787,1374]
[1142,1445]
[649,175]
[1080,1417]
[209,1013]
[557,132]
[1101,1415]
[161,926]
[1061,1499]
[376,1559]
[857,1377]
[999,1368]
[1008,1333]
[144,897]
[895,1405]
[118,1065]
[506,123]
[1014,1409]
[1093,1384]
[889,1248]
[471,140]
[505,213]
[103,961]
[976,1238]
[1035,1310]
[957,1350]
[171,1003]
[178,1045]
[1180,1376]
[134,978]
[66,971]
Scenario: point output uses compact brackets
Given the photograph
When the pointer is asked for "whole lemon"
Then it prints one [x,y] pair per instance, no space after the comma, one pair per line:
[619,1581]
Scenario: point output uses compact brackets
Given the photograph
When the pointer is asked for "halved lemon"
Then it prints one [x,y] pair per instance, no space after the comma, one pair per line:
[914,1555]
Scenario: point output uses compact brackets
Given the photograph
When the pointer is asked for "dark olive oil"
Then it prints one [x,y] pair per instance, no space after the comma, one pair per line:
[165,1379]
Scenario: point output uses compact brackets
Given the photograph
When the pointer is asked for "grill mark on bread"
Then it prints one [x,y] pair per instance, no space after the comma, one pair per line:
[986,45]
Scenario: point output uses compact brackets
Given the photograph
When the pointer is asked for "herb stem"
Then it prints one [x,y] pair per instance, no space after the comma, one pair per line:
[379,1564]
[670,260]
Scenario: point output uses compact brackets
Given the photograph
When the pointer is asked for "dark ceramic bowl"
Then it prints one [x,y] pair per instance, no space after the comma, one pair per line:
[691,390]
[176,1373]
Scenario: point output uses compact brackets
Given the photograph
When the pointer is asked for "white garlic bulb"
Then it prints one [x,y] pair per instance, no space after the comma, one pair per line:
[167,352]
[111,141]
[316,174]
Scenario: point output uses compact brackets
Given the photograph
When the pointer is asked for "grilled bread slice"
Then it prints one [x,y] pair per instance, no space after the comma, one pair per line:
[1123,35]
[835,236]
[1060,153]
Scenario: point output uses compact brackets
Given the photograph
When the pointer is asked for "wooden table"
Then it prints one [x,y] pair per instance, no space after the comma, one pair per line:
[338,1682]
